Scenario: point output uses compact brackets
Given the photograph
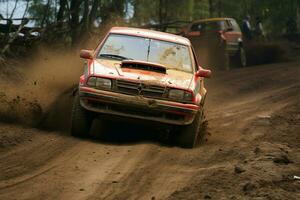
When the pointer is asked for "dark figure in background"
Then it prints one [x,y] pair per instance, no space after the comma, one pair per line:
[246,28]
[291,25]
[259,30]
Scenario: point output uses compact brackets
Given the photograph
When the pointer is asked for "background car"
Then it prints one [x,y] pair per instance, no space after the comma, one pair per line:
[218,42]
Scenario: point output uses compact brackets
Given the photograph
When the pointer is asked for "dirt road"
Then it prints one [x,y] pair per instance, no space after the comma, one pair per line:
[252,151]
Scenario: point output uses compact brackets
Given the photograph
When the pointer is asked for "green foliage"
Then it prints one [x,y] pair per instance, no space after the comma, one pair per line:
[44,11]
[274,13]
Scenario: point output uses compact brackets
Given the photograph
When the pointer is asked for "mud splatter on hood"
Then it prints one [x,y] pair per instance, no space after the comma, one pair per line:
[172,78]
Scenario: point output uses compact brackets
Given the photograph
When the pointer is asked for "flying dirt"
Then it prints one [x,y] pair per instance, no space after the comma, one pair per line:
[252,149]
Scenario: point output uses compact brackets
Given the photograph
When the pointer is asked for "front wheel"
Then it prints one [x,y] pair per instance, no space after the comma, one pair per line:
[240,59]
[192,135]
[81,120]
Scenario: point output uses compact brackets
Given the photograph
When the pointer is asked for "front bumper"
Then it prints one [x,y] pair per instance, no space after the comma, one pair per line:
[119,104]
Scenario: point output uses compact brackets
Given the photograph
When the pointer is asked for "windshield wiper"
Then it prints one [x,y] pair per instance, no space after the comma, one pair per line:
[113,56]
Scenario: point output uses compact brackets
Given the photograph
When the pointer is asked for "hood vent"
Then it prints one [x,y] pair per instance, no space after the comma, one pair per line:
[142,65]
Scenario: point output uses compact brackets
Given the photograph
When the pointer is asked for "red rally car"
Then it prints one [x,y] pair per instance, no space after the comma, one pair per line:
[144,74]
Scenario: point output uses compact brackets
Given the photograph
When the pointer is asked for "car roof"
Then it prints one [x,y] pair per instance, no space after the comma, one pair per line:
[213,19]
[150,34]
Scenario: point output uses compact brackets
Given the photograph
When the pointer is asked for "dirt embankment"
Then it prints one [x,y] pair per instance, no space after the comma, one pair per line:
[252,151]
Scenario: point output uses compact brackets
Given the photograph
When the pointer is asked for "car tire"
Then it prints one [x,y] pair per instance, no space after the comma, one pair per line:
[81,120]
[240,59]
[226,61]
[192,135]
[223,61]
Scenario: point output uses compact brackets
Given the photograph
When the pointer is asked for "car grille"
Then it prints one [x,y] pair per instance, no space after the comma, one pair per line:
[128,87]
[135,88]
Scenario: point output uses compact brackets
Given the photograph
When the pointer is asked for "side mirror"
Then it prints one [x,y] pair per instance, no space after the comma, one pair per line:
[86,54]
[205,73]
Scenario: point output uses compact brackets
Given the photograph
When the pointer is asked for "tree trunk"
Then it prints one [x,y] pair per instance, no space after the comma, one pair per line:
[191,8]
[93,13]
[84,21]
[160,12]
[61,11]
[219,8]
[74,21]
[9,21]
[45,17]
[211,8]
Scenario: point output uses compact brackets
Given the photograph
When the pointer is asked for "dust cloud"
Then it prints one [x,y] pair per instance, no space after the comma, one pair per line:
[41,81]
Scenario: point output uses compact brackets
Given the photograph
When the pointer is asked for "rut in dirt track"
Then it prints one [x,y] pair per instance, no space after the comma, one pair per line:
[249,112]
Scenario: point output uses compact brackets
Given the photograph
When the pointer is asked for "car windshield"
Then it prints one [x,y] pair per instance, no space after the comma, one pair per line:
[124,47]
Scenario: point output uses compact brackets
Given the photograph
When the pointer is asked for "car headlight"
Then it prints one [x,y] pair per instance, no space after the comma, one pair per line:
[101,83]
[92,81]
[176,94]
[180,95]
[188,96]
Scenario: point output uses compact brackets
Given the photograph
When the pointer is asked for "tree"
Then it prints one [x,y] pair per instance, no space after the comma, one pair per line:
[76,19]
[61,12]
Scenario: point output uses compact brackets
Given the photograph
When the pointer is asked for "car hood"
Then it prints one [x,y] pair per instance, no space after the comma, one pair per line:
[112,68]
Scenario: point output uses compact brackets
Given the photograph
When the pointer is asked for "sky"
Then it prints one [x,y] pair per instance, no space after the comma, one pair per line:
[7,7]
